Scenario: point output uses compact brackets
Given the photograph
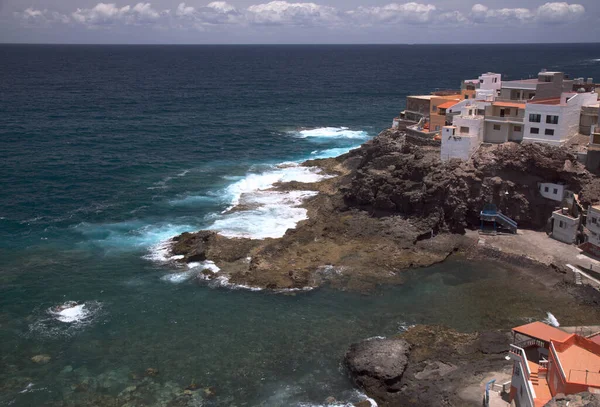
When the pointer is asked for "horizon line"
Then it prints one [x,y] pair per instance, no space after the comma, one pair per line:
[297,44]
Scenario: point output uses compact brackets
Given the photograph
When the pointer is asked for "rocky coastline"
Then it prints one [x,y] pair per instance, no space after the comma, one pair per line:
[390,205]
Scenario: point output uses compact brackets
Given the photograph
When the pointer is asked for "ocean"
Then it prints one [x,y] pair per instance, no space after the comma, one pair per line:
[107,151]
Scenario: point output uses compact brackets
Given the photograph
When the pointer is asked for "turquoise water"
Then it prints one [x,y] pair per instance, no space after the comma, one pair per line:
[105,152]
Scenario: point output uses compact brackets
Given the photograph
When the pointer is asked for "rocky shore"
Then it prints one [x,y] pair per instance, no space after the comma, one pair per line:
[390,205]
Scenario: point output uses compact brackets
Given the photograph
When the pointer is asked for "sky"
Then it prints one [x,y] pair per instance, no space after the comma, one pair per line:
[289,22]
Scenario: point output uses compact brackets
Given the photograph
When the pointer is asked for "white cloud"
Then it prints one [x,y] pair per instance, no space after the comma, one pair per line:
[41,17]
[284,13]
[411,13]
[560,12]
[217,12]
[108,14]
[547,13]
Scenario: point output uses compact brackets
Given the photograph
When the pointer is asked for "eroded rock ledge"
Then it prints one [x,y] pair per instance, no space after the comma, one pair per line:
[427,366]
[392,205]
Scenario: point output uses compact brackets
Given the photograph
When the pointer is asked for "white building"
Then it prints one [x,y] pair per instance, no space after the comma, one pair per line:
[593,224]
[465,135]
[565,226]
[552,191]
[490,81]
[554,121]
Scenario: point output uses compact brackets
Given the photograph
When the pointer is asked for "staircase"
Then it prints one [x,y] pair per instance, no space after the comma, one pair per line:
[540,386]
[491,214]
[506,222]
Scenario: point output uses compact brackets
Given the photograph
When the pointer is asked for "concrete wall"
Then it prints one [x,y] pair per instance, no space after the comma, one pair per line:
[518,384]
[548,189]
[458,143]
[589,118]
[564,228]
[491,135]
[516,94]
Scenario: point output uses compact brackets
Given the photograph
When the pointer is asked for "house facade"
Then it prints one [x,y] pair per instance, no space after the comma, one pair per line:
[554,121]
[504,122]
[546,85]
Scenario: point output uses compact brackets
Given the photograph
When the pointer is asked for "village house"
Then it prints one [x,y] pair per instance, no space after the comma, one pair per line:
[463,137]
[547,85]
[592,232]
[555,120]
[504,122]
[565,225]
[549,361]
[592,162]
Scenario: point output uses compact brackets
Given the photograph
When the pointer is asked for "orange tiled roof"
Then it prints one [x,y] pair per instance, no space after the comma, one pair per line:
[510,104]
[539,330]
[448,105]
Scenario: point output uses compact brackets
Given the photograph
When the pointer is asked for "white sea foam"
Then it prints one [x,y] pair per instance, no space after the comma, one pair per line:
[65,319]
[332,132]
[551,320]
[284,172]
[265,213]
[194,269]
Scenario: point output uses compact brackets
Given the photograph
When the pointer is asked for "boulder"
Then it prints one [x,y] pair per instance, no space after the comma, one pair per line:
[377,365]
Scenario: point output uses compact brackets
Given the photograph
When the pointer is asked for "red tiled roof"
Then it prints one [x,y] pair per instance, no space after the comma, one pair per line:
[539,330]
[447,105]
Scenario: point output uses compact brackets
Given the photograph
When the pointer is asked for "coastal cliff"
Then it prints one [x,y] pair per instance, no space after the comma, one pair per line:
[390,205]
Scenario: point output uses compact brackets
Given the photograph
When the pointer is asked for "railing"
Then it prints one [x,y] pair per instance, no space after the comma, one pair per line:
[531,342]
[507,119]
[520,353]
[591,378]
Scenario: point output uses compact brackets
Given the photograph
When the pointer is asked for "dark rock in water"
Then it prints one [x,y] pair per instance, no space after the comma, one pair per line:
[493,342]
[575,400]
[377,365]
[151,372]
[427,366]
[193,245]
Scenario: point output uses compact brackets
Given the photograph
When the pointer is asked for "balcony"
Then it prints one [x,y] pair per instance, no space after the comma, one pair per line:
[504,119]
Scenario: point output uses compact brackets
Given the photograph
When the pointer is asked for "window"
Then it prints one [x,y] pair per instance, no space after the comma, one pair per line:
[437,128]
[534,130]
[561,224]
[466,96]
[549,132]
[535,118]
[517,129]
[552,119]
[497,127]
[555,191]
[594,220]
[464,130]
[546,78]
[434,108]
[546,189]
[481,112]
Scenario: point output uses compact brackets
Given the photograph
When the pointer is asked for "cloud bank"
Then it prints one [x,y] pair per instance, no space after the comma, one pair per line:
[284,13]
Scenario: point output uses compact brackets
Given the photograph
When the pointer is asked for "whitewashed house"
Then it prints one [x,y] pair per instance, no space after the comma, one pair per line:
[554,121]
[565,226]
[465,135]
[552,191]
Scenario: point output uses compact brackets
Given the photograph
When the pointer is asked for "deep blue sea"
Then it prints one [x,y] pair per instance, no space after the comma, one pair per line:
[106,151]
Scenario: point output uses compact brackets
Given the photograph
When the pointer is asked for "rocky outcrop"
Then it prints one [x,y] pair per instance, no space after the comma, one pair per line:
[392,205]
[427,366]
[377,365]
[396,174]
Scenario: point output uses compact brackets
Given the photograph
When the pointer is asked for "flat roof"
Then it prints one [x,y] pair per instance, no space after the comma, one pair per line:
[539,330]
[529,84]
[580,359]
[423,97]
[509,104]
